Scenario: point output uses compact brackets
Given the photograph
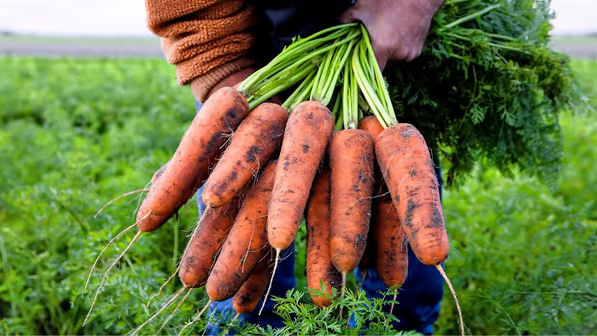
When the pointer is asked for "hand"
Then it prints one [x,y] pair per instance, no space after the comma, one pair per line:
[233,80]
[398,28]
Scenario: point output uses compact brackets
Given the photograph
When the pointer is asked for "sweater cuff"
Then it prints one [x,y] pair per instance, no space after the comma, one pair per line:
[202,85]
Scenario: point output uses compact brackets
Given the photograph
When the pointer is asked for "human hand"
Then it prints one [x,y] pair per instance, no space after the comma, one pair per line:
[233,80]
[398,28]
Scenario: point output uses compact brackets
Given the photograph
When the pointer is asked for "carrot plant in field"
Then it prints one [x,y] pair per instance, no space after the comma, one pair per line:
[76,133]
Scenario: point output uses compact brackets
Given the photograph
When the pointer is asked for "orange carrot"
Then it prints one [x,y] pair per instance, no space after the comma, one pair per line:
[390,240]
[371,125]
[247,242]
[257,138]
[407,168]
[179,179]
[319,263]
[352,156]
[248,296]
[189,166]
[306,137]
[205,243]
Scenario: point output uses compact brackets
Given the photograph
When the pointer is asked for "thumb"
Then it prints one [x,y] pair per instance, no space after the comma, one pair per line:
[381,57]
[349,16]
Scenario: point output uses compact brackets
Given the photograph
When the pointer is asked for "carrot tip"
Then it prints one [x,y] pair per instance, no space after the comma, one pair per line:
[106,274]
[460,319]
[271,281]
[196,318]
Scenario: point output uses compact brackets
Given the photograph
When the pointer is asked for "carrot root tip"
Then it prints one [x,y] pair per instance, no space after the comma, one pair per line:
[168,304]
[104,250]
[269,287]
[184,298]
[106,273]
[196,318]
[118,198]
[445,276]
[343,290]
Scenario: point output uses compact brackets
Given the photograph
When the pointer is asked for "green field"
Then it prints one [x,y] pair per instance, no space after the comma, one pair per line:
[76,133]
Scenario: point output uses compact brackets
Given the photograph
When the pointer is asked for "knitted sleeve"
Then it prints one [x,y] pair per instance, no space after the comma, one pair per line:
[206,40]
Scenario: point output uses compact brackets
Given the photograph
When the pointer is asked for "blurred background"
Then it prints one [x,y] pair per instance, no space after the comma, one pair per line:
[98,28]
[89,110]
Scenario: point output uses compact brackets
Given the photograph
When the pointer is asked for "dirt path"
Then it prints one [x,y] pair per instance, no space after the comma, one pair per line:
[74,48]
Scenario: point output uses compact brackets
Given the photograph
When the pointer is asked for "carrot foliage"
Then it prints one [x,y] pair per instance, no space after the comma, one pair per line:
[488,88]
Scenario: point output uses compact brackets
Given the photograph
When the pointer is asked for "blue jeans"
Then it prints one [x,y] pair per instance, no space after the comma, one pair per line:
[419,297]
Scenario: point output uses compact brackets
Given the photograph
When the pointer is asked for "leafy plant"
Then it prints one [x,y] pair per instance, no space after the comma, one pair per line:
[489,89]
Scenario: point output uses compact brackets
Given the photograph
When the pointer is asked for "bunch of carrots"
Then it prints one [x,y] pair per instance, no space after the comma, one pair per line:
[333,153]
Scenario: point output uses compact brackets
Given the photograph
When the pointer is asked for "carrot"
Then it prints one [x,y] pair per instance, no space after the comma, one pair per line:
[352,157]
[371,125]
[252,145]
[206,242]
[189,166]
[407,168]
[306,138]
[391,242]
[319,263]
[247,242]
[179,179]
[250,293]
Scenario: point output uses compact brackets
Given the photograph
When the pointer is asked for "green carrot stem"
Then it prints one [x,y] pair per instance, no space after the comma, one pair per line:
[346,96]
[287,68]
[380,83]
[281,78]
[289,82]
[368,91]
[308,47]
[471,16]
[321,75]
[302,96]
[343,54]
[290,100]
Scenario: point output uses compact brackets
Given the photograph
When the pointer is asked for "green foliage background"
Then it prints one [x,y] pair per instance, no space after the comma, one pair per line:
[76,133]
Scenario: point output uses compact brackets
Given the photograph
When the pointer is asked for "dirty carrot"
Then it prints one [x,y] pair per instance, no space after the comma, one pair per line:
[392,245]
[351,159]
[250,293]
[407,168]
[306,138]
[198,149]
[319,263]
[246,243]
[257,138]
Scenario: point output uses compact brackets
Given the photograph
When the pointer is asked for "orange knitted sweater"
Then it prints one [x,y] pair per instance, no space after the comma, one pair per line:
[206,40]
